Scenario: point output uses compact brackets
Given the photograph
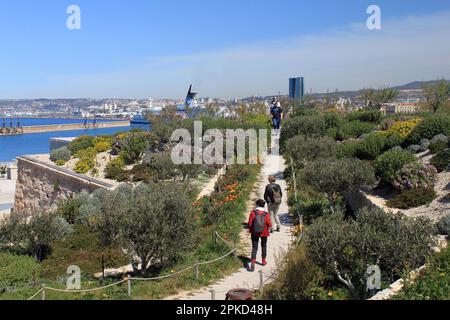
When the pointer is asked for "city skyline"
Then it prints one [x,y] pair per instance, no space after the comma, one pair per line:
[225,50]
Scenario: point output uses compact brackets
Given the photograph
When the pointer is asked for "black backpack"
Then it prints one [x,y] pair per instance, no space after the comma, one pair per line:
[276,194]
[259,224]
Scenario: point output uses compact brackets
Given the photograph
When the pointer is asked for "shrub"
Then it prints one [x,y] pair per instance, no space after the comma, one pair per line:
[162,166]
[371,115]
[102,144]
[298,278]
[332,120]
[442,160]
[302,148]
[337,176]
[81,143]
[393,140]
[17,272]
[343,249]
[32,233]
[153,222]
[444,225]
[354,129]
[415,175]
[133,146]
[347,149]
[433,283]
[86,154]
[412,198]
[430,127]
[403,128]
[414,148]
[387,165]
[306,126]
[60,163]
[61,154]
[371,147]
[83,166]
[438,143]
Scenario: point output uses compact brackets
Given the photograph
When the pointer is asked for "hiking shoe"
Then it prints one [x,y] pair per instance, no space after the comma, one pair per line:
[264,262]
[278,229]
[252,266]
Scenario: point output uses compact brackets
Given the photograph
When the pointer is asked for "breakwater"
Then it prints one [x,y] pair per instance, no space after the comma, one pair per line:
[74,126]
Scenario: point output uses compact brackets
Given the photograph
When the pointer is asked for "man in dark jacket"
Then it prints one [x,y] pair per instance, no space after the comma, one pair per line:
[277,115]
[273,196]
[259,224]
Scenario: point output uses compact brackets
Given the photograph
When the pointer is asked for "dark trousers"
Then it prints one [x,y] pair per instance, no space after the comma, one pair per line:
[255,244]
[276,123]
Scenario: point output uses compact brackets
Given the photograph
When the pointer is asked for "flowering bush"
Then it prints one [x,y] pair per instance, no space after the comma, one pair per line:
[415,175]
[403,128]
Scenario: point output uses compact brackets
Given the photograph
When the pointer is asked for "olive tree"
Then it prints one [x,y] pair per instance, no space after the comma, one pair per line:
[335,177]
[152,223]
[346,248]
[32,233]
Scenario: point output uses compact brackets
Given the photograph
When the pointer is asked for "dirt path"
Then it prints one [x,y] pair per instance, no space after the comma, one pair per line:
[278,243]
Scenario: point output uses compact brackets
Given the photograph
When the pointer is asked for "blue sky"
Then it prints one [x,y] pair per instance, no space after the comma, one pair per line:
[231,48]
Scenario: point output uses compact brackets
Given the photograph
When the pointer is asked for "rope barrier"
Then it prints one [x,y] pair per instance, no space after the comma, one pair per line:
[141,279]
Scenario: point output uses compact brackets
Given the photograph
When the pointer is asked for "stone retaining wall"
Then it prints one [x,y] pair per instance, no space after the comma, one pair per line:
[41,185]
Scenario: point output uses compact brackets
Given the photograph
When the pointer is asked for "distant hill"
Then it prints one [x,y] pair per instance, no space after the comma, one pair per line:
[416,85]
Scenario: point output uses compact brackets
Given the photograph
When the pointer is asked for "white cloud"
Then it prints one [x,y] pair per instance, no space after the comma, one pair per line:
[408,49]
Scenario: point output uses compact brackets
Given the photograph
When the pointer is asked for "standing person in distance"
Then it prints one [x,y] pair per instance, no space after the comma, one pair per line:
[277,115]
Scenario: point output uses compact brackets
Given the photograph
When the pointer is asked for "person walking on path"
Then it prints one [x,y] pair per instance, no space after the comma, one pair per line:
[259,224]
[273,196]
[277,115]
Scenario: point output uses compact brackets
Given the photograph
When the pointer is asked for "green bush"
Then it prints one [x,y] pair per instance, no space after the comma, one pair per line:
[354,129]
[298,278]
[430,127]
[32,233]
[306,126]
[343,248]
[348,149]
[133,146]
[371,115]
[412,198]
[115,170]
[338,176]
[332,120]
[394,140]
[83,166]
[81,143]
[61,154]
[442,160]
[444,225]
[302,148]
[387,165]
[438,143]
[371,147]
[102,144]
[415,175]
[17,272]
[433,283]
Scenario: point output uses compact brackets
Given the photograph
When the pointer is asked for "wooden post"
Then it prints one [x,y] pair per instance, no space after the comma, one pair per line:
[197,270]
[214,237]
[103,266]
[43,294]
[129,286]
[261,281]
[213,294]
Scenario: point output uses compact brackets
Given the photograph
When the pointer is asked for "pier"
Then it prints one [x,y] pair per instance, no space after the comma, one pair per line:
[63,127]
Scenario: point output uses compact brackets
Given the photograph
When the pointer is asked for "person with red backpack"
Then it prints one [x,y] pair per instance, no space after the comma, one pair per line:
[259,224]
